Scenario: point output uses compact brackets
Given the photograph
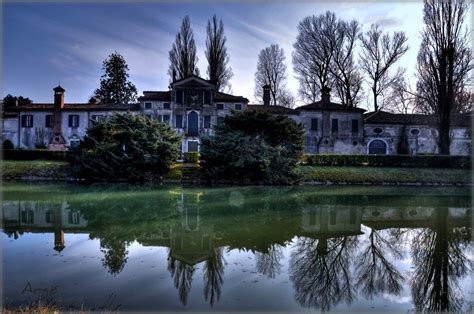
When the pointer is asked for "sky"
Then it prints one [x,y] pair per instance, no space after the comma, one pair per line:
[49,43]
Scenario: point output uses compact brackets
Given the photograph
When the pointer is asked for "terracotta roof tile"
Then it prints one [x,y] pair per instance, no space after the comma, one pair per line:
[272,109]
[74,106]
[383,117]
[218,96]
[327,106]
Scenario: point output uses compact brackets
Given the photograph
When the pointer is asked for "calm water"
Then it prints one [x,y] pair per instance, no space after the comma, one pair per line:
[111,247]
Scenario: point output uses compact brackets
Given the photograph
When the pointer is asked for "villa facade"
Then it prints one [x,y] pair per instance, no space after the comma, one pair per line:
[192,106]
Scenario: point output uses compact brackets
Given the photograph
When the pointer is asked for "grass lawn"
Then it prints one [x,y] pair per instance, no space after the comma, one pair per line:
[35,168]
[58,169]
[376,175]
[384,175]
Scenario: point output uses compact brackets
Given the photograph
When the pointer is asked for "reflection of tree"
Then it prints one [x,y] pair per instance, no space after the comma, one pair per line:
[320,271]
[182,275]
[115,254]
[375,273]
[439,263]
[213,272]
[268,263]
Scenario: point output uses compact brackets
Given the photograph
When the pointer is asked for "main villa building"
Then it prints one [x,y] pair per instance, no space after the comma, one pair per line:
[193,106]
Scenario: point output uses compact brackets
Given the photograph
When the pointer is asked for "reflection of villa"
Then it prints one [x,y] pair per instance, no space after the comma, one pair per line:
[31,216]
[192,240]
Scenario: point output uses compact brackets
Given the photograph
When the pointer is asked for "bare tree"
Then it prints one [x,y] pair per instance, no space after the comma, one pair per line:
[379,53]
[401,99]
[444,61]
[216,54]
[313,53]
[271,70]
[347,78]
[183,59]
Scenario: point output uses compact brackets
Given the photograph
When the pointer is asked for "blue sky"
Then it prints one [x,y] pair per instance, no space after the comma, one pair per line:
[44,44]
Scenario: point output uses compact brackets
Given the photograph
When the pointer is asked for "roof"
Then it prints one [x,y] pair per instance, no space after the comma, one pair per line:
[73,106]
[383,117]
[59,89]
[328,106]
[156,95]
[218,96]
[272,109]
[191,77]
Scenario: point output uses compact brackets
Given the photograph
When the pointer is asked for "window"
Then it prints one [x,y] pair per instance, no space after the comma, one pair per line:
[332,217]
[49,121]
[73,120]
[335,125]
[49,216]
[148,105]
[377,130]
[238,106]
[97,117]
[166,118]
[415,131]
[179,97]
[207,122]
[166,106]
[179,121]
[27,216]
[73,218]
[207,97]
[314,124]
[355,126]
[220,106]
[27,121]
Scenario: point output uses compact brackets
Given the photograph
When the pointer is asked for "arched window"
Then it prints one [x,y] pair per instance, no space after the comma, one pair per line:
[7,144]
[377,147]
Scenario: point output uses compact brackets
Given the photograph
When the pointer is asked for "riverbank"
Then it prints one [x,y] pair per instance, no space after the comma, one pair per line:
[44,170]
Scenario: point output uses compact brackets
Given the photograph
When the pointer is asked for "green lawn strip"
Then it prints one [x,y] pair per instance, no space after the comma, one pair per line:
[35,168]
[384,175]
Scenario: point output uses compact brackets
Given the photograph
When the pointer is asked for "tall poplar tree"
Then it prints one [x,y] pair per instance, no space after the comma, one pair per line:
[216,54]
[115,88]
[183,58]
[444,63]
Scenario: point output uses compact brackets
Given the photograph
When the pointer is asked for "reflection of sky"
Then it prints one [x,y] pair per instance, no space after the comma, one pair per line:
[145,282]
[47,43]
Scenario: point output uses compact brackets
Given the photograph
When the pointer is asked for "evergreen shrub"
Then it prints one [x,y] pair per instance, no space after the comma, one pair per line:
[253,147]
[125,147]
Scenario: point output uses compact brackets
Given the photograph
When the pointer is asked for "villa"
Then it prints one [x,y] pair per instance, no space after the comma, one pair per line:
[193,106]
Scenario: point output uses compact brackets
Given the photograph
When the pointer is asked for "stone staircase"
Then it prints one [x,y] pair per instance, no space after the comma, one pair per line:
[191,174]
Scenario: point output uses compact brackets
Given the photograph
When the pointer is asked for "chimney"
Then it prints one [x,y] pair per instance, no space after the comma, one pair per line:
[266,95]
[174,75]
[58,97]
[326,95]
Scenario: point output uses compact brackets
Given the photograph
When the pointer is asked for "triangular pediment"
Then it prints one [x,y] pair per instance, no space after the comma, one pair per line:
[192,81]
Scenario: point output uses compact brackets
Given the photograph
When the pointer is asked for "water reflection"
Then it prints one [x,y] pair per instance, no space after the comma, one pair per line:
[342,247]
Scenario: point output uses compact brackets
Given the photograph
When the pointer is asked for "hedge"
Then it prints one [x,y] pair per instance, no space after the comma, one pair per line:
[191,157]
[416,161]
[33,154]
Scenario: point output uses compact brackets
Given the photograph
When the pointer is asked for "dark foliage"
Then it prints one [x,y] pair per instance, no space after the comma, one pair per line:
[33,154]
[12,101]
[115,88]
[125,147]
[253,146]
